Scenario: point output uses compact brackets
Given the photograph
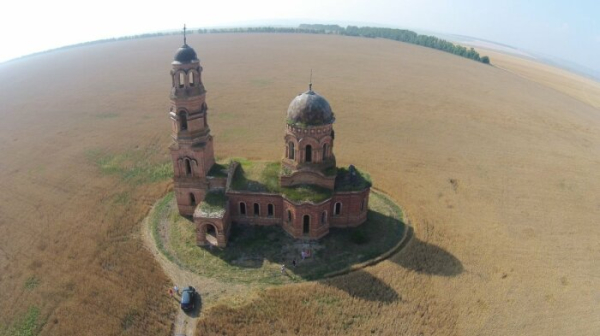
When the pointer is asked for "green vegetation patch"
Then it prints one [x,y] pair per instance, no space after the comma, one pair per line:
[31,283]
[213,205]
[344,181]
[135,166]
[27,325]
[254,254]
[218,170]
[260,176]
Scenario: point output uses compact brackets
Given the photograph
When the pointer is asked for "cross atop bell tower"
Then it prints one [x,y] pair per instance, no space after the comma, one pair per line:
[192,147]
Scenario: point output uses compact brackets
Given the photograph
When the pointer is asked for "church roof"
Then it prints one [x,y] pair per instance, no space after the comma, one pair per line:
[185,54]
[310,109]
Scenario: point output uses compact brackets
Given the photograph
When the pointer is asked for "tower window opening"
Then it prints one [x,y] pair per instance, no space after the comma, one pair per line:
[289,213]
[188,167]
[183,125]
[338,209]
[291,150]
[308,153]
[270,210]
[192,199]
[256,209]
[242,208]
[306,226]
[324,152]
[324,217]
[181,79]
[191,78]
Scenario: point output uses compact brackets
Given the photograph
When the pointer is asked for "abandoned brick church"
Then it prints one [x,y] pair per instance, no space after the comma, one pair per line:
[305,193]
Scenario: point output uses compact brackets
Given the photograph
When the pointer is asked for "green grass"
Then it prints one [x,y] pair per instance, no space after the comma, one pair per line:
[28,325]
[218,170]
[255,253]
[31,283]
[161,209]
[135,166]
[262,176]
[344,182]
[213,204]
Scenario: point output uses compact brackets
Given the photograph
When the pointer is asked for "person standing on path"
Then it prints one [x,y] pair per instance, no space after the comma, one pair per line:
[294,263]
[176,289]
[283,269]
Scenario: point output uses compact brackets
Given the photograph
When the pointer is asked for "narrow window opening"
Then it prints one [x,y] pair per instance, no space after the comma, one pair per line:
[324,217]
[270,210]
[181,79]
[308,157]
[191,78]
[192,199]
[183,121]
[362,205]
[256,209]
[289,216]
[324,152]
[306,226]
[291,150]
[338,208]
[242,208]
[188,167]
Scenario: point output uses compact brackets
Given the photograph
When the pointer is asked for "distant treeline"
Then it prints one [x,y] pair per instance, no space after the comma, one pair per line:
[402,35]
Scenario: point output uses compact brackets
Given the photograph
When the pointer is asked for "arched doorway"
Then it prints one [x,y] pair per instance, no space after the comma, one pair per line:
[306,226]
[211,234]
[308,155]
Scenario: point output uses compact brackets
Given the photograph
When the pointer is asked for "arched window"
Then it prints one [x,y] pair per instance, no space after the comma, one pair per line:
[242,208]
[256,209]
[291,150]
[188,167]
[270,210]
[324,152]
[182,121]
[181,79]
[191,78]
[289,216]
[324,217]
[338,209]
[192,199]
[308,152]
[306,224]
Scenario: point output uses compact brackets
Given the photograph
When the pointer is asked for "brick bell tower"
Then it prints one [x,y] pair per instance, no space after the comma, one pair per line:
[192,147]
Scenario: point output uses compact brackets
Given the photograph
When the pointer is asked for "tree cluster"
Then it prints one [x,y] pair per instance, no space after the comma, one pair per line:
[401,35]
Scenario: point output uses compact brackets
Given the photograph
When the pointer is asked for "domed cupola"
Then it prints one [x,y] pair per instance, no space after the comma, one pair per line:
[309,109]
[186,54]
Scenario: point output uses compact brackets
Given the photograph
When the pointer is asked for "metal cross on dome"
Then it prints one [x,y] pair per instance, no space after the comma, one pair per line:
[184,38]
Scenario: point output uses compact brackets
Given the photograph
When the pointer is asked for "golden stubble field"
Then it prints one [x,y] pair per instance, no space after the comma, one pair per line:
[498,174]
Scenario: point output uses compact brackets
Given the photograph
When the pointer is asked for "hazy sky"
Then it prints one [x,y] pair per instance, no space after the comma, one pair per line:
[565,29]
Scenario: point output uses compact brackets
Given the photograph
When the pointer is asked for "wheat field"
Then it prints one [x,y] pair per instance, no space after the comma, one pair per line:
[495,166]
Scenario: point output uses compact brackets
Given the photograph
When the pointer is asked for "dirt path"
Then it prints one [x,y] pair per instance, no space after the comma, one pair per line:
[210,290]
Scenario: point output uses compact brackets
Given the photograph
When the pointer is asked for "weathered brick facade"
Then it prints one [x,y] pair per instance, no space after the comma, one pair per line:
[308,160]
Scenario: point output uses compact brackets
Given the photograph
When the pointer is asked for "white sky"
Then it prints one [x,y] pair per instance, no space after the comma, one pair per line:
[564,29]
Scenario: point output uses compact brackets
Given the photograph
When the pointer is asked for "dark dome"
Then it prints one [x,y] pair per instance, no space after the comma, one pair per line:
[185,54]
[310,109]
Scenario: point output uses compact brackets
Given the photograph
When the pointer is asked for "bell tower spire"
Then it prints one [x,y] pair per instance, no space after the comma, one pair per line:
[192,147]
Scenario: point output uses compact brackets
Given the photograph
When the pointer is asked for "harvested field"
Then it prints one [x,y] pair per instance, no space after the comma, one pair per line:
[498,174]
